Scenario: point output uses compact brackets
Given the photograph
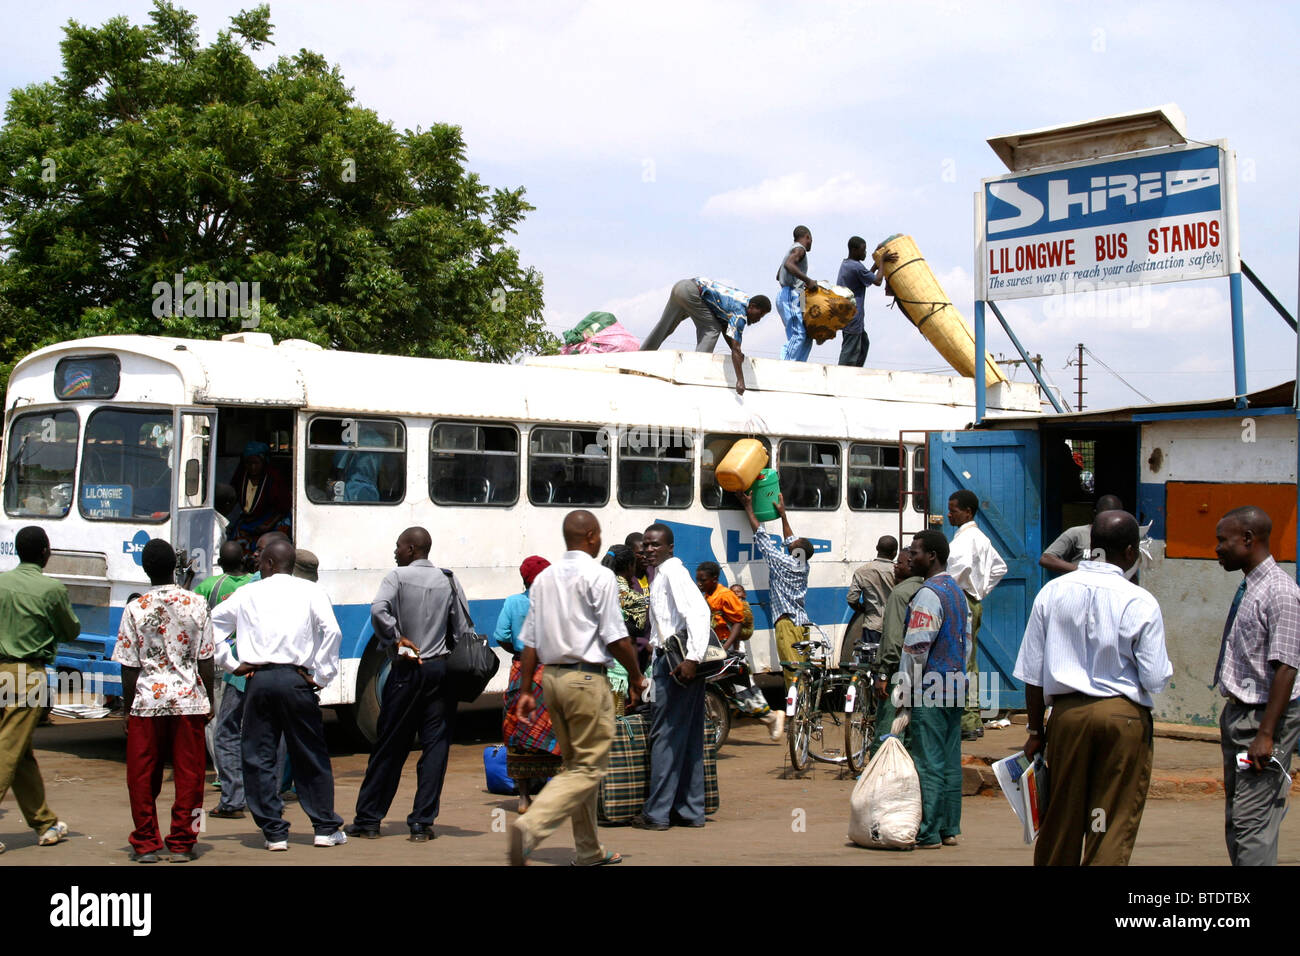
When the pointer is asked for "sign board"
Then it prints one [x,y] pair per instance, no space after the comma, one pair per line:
[1163,215]
[106,501]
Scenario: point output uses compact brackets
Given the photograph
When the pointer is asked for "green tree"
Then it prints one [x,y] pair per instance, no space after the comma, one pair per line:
[150,156]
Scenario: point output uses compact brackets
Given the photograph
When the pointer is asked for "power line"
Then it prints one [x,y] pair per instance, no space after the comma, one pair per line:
[1147,398]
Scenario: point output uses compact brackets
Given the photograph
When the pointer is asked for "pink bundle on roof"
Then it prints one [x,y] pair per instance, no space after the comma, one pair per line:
[612,338]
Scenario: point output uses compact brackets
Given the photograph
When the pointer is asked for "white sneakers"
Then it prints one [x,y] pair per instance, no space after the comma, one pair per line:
[775,721]
[55,834]
[337,838]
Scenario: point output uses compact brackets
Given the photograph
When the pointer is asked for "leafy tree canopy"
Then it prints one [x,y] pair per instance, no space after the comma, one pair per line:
[151,157]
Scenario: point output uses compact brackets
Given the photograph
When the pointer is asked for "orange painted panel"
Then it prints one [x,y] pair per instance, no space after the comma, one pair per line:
[1193,508]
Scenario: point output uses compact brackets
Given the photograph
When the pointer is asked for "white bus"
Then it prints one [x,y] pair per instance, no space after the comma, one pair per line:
[111,441]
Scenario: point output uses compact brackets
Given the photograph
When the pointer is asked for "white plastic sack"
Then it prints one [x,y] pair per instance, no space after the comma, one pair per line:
[885,809]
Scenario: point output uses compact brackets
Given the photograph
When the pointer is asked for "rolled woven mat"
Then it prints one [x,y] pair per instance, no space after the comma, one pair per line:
[923,301]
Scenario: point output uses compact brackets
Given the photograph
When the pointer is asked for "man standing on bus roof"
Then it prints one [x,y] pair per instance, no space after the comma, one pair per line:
[417,604]
[977,568]
[35,616]
[716,309]
[794,279]
[787,581]
[288,646]
[855,277]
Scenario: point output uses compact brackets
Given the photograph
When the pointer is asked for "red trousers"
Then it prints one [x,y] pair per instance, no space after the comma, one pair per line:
[150,742]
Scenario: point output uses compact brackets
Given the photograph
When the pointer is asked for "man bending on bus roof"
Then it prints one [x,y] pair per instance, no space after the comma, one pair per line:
[716,309]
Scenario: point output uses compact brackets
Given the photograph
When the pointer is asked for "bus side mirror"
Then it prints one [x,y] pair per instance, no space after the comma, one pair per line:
[192,478]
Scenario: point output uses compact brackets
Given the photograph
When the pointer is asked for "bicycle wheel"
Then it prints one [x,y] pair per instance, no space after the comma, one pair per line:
[859,724]
[798,727]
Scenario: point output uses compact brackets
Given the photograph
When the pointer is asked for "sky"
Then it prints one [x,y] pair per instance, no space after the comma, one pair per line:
[669,140]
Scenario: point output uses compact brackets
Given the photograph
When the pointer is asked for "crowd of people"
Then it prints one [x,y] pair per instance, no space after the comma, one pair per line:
[603,630]
[721,311]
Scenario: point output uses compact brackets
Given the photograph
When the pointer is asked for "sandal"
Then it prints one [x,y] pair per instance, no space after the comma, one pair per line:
[609,859]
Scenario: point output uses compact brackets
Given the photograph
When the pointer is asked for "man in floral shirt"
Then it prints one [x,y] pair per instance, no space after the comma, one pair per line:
[165,648]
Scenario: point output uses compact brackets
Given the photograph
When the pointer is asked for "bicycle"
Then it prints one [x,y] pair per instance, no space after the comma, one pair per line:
[821,693]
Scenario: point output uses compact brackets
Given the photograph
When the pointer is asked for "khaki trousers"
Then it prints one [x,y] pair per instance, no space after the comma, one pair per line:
[788,633]
[21,694]
[1099,752]
[582,715]
[970,717]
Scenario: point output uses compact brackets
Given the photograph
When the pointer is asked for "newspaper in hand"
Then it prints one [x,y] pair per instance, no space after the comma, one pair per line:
[1024,782]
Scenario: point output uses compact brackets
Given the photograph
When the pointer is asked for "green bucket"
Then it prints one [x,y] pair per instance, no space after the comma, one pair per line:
[766,489]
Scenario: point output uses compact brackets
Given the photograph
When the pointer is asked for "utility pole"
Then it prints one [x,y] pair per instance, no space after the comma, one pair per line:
[1079,403]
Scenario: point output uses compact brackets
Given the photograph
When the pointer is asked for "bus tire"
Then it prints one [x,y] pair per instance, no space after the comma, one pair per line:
[363,716]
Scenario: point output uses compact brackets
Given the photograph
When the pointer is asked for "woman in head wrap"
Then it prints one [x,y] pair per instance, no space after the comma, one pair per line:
[261,498]
[532,752]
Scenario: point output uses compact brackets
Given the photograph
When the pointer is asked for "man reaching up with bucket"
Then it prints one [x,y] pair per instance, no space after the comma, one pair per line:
[787,580]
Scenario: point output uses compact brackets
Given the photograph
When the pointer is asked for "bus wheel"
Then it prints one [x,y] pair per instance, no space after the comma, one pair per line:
[363,716]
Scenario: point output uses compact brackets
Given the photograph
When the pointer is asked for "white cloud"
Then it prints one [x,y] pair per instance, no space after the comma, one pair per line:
[797,195]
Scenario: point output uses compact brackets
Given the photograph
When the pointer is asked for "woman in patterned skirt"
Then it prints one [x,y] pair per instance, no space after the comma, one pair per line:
[532,752]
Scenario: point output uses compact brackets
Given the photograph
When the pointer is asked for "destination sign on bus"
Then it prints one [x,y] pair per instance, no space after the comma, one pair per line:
[1153,217]
[106,501]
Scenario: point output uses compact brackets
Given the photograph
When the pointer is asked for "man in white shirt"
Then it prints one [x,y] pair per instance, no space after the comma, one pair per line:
[287,643]
[1095,650]
[977,567]
[574,624]
[676,791]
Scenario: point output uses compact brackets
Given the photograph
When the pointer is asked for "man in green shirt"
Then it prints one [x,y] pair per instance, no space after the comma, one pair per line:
[224,733]
[35,616]
[892,630]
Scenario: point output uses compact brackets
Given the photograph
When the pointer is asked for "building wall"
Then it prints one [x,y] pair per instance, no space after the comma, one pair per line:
[1195,593]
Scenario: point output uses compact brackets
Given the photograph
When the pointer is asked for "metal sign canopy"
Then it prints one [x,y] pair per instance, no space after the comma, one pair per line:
[1104,136]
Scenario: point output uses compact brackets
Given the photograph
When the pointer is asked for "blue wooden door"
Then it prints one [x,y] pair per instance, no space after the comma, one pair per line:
[1003,469]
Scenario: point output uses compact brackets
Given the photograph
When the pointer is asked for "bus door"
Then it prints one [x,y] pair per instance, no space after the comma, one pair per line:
[1002,468]
[194,521]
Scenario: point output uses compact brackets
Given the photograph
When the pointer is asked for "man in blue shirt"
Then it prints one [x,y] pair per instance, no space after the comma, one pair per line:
[856,277]
[716,309]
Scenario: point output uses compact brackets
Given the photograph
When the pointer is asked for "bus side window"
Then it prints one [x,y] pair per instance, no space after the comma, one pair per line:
[873,477]
[355,461]
[567,466]
[472,464]
[810,475]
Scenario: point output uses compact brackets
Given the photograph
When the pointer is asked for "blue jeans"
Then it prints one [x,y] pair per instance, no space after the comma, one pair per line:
[227,749]
[797,344]
[676,749]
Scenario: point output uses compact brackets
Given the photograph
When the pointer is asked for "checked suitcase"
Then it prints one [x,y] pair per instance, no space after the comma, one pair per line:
[623,791]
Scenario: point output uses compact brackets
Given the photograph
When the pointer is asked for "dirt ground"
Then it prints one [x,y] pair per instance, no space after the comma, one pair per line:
[766,817]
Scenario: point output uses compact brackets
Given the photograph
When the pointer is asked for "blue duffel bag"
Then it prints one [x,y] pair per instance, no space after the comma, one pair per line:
[494,768]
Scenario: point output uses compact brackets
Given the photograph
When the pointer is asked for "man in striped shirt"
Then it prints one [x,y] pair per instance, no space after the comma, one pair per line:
[787,581]
[1256,673]
[1095,650]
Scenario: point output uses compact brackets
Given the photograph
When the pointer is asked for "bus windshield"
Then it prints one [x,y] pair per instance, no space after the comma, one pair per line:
[42,455]
[126,471]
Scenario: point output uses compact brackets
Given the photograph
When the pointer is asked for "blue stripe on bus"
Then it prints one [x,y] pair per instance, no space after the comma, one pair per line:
[826,607]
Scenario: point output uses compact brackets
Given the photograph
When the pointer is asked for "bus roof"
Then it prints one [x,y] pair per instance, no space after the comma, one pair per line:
[249,369]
